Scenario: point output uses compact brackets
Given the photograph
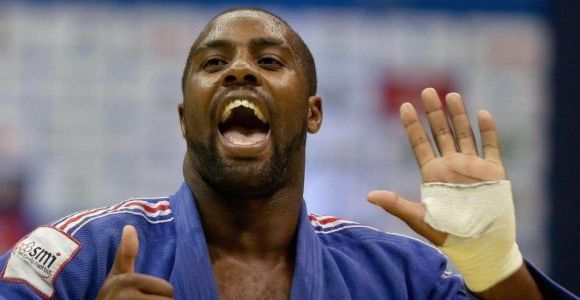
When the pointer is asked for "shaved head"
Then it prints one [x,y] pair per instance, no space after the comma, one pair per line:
[303,54]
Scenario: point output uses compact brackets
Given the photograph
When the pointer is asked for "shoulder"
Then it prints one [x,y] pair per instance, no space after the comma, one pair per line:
[335,231]
[147,214]
[352,237]
[387,259]
[71,257]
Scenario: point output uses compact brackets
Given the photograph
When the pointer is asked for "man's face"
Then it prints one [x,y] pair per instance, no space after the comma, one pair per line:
[246,109]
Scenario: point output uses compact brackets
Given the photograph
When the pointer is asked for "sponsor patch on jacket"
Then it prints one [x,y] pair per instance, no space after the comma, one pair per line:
[37,259]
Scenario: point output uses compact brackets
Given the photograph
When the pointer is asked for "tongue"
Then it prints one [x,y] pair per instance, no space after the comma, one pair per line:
[242,136]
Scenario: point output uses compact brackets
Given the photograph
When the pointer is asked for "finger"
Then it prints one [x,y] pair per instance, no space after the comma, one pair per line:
[126,252]
[461,124]
[146,284]
[153,297]
[438,121]
[418,140]
[489,137]
[136,294]
[409,212]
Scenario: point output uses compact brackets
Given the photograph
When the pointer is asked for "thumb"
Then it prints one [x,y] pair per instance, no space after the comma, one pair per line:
[412,213]
[126,252]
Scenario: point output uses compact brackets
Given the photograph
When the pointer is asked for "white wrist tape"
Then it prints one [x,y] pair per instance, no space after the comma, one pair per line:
[480,220]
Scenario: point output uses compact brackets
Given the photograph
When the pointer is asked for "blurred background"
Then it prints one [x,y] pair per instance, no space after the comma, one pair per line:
[88,96]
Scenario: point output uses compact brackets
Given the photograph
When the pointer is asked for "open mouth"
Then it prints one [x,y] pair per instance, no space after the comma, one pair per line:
[242,123]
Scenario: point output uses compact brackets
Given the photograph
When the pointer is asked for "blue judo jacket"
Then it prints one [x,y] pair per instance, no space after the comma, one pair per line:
[335,258]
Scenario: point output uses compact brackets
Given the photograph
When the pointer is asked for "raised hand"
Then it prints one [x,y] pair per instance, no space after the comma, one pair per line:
[459,161]
[489,260]
[123,283]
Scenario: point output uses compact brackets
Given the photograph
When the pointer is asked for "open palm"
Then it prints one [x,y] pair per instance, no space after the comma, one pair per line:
[458,160]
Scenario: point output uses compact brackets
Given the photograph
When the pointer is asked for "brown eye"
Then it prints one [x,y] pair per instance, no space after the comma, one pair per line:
[270,63]
[214,63]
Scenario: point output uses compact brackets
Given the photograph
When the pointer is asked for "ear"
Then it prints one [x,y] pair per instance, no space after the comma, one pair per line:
[180,110]
[314,113]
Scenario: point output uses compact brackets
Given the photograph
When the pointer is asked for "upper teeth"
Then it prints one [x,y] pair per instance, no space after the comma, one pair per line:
[245,103]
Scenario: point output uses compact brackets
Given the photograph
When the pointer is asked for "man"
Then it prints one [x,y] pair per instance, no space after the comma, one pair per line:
[238,227]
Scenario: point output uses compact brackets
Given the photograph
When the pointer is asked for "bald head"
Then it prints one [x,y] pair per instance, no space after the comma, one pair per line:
[301,51]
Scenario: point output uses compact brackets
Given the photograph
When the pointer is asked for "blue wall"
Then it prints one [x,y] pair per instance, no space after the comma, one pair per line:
[518,6]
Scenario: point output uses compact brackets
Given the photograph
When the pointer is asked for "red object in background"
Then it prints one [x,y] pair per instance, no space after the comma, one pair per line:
[400,87]
[13,225]
[12,229]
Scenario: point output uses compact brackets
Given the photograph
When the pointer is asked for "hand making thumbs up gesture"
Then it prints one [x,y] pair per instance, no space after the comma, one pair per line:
[123,283]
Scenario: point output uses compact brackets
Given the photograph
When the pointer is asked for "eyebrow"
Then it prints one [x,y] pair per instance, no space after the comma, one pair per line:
[256,43]
[264,42]
[212,44]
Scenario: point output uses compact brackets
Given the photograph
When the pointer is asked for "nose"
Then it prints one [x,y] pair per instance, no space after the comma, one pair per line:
[241,72]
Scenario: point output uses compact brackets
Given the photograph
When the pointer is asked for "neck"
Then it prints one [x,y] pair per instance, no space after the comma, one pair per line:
[248,226]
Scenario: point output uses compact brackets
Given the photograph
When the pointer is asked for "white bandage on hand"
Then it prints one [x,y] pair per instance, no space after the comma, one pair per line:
[480,220]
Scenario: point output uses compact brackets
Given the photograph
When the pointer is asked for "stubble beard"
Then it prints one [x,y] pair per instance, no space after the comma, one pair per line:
[247,178]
